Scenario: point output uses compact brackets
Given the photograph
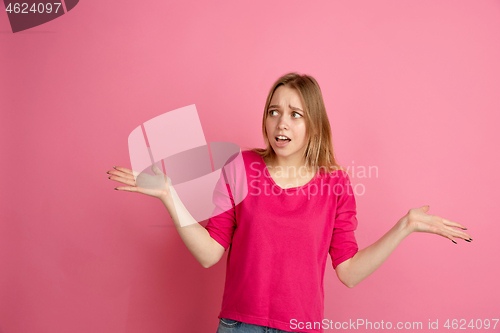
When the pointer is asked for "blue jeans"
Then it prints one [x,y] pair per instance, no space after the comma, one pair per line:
[233,326]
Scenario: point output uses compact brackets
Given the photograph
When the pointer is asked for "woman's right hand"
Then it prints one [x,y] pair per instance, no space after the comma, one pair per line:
[156,186]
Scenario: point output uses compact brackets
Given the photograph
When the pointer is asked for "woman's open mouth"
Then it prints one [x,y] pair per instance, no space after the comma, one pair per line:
[282,140]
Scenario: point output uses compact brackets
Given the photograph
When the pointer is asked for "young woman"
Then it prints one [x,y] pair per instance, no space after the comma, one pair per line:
[300,207]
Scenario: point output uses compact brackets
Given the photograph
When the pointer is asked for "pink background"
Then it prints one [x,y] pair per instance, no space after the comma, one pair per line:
[411,87]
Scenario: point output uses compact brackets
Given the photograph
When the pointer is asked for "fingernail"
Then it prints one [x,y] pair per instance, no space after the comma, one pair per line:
[467,240]
[114,167]
[454,241]
[109,177]
[116,188]
[470,238]
[107,172]
[464,228]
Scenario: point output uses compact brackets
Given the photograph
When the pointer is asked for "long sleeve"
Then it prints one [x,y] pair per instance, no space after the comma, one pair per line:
[344,245]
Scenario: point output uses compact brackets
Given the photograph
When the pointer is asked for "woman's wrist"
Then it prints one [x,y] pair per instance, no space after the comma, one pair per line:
[403,227]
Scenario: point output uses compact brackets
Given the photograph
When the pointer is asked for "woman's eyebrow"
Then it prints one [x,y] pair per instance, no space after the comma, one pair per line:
[291,107]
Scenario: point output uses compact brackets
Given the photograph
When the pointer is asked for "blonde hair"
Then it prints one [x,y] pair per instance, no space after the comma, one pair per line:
[319,152]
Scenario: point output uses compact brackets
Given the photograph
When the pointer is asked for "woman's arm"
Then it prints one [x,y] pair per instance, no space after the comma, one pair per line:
[365,262]
[197,239]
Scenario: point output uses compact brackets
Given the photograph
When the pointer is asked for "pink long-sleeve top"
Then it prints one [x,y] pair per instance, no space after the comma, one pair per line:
[278,241]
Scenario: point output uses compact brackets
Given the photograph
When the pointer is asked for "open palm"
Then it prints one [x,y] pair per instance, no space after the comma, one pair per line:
[156,186]
[417,220]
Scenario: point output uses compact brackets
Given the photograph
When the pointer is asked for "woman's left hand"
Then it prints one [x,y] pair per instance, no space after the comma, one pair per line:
[417,220]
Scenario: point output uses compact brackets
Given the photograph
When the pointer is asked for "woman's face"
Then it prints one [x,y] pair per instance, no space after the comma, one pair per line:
[286,117]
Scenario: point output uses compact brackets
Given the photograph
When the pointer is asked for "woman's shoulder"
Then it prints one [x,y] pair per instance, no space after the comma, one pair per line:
[336,174]
[251,155]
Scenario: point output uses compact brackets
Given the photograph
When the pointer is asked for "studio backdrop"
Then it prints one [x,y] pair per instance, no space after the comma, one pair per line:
[412,94]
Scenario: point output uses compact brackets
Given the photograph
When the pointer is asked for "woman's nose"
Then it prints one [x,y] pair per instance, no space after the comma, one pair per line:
[282,123]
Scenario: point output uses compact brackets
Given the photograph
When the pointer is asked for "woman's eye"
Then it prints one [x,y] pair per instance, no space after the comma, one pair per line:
[294,114]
